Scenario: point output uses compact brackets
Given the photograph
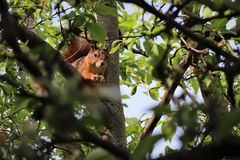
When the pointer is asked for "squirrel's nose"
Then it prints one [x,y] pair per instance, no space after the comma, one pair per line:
[102,63]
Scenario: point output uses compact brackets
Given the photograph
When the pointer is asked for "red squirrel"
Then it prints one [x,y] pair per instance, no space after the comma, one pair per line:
[89,60]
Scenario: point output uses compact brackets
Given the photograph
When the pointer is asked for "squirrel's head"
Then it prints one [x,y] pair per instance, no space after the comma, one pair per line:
[97,58]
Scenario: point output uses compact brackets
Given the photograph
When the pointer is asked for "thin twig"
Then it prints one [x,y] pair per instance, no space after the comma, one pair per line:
[18,131]
[15,112]
[174,55]
[52,16]
[189,46]
[152,122]
[172,23]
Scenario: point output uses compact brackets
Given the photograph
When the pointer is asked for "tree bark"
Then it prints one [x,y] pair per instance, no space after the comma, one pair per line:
[113,108]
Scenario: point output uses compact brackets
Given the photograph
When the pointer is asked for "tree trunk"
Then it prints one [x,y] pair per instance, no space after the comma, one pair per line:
[113,109]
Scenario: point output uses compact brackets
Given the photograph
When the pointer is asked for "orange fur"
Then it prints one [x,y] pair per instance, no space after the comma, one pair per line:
[87,59]
[77,48]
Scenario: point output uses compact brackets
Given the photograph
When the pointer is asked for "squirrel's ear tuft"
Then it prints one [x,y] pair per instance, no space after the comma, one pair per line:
[105,51]
[93,46]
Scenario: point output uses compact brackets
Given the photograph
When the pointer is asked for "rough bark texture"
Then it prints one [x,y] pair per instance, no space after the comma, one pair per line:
[114,109]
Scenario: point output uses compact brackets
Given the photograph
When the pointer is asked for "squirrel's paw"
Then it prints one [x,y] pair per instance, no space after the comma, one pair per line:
[99,78]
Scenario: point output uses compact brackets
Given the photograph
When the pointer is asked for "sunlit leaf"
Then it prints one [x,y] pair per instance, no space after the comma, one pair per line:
[154,93]
[207,12]
[145,146]
[168,130]
[97,31]
[103,9]
[134,90]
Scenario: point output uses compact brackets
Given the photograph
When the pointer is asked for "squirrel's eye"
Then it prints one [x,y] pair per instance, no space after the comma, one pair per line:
[95,55]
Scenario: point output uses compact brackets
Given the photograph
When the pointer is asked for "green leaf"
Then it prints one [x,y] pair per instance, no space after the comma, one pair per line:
[21,102]
[168,130]
[158,29]
[70,15]
[144,147]
[165,109]
[218,1]
[219,23]
[6,89]
[132,121]
[165,1]
[226,124]
[78,21]
[169,150]
[125,96]
[97,31]
[16,2]
[133,131]
[103,9]
[154,93]
[211,59]
[116,45]
[127,83]
[207,81]
[154,48]
[121,4]
[148,75]
[138,46]
[147,46]
[194,84]
[90,17]
[207,12]
[134,90]
[99,154]
[142,62]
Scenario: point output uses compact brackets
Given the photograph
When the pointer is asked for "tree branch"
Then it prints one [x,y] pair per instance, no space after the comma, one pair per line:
[226,4]
[152,122]
[171,22]
[9,35]
[52,16]
[136,51]
[219,16]
[13,30]
[11,114]
[229,147]
[89,136]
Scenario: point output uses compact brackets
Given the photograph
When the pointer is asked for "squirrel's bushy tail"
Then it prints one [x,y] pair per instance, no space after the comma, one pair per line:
[77,48]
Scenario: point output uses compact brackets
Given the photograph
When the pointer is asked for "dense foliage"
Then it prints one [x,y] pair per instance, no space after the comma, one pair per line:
[192,46]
